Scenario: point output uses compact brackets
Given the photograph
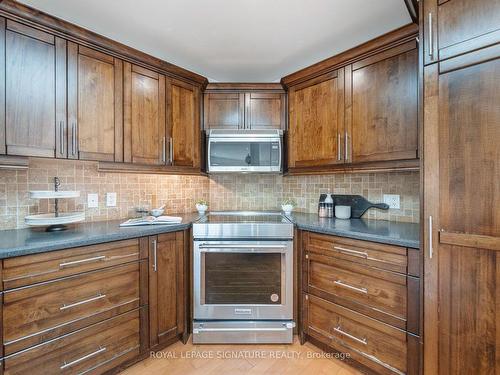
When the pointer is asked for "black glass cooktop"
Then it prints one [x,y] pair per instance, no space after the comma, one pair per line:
[243,217]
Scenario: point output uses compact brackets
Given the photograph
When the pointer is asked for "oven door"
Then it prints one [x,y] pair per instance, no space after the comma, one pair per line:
[244,154]
[243,280]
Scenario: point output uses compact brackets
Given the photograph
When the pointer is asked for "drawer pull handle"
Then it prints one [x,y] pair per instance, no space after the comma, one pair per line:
[98,297]
[87,356]
[77,262]
[360,254]
[340,283]
[361,341]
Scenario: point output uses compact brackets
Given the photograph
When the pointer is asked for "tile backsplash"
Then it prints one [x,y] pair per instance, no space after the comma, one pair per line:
[179,193]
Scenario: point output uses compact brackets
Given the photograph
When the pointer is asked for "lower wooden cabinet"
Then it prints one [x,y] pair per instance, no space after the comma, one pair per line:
[362,298]
[167,288]
[93,309]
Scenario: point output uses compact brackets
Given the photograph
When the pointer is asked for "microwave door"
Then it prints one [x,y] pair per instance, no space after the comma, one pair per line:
[240,155]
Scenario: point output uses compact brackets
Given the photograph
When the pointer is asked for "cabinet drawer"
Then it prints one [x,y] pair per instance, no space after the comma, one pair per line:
[368,341]
[31,269]
[41,312]
[372,291]
[92,350]
[388,257]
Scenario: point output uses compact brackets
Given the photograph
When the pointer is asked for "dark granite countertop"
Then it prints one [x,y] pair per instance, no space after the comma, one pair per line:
[18,242]
[388,232]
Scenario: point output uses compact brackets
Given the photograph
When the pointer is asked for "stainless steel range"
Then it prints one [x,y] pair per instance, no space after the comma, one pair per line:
[243,278]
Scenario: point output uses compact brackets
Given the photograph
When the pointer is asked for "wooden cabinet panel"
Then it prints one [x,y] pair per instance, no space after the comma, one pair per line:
[166,287]
[316,110]
[183,123]
[44,311]
[93,350]
[35,84]
[94,105]
[264,110]
[377,293]
[384,106]
[224,110]
[144,116]
[377,345]
[461,200]
[455,27]
[37,268]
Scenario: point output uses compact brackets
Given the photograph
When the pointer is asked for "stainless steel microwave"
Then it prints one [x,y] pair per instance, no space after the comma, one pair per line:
[244,151]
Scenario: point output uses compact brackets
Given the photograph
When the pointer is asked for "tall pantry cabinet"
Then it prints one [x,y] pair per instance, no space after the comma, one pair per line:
[461,174]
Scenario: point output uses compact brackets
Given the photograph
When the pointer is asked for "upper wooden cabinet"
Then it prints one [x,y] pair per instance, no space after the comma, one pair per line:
[183,123]
[382,99]
[244,106]
[95,120]
[33,82]
[361,113]
[144,116]
[316,109]
[454,27]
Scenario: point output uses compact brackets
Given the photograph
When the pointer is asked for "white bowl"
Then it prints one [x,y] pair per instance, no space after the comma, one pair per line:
[287,208]
[157,212]
[202,208]
[343,212]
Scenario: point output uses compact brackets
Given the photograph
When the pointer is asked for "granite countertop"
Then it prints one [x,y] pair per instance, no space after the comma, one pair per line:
[388,232]
[19,242]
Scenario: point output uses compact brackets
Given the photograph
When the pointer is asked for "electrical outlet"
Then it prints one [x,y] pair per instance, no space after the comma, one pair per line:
[111,199]
[392,200]
[92,200]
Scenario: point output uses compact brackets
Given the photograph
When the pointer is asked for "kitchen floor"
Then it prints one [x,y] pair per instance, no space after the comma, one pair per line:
[192,359]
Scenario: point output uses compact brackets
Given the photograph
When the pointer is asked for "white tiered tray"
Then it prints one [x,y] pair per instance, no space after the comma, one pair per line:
[51,219]
[51,194]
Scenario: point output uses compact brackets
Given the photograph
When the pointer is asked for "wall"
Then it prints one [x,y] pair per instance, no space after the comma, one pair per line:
[224,192]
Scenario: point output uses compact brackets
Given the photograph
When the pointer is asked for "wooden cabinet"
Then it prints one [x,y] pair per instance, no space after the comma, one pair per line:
[244,106]
[382,101]
[167,287]
[362,298]
[316,109]
[34,89]
[144,116]
[95,120]
[461,216]
[183,123]
[224,111]
[454,27]
[358,110]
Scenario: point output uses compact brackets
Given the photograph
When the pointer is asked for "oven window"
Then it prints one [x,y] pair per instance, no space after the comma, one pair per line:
[236,154]
[242,278]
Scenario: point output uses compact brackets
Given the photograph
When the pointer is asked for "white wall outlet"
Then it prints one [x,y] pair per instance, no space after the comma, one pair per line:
[392,200]
[111,199]
[92,200]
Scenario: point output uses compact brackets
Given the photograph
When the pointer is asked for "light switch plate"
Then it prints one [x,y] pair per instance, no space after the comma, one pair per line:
[393,200]
[92,200]
[111,199]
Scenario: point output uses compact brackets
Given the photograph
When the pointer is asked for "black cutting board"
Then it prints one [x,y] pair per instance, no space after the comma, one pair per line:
[358,203]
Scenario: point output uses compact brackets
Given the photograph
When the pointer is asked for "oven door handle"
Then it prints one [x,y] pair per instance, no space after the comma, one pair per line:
[243,248]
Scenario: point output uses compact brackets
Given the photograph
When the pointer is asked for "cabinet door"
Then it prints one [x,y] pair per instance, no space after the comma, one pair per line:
[166,287]
[316,121]
[224,111]
[94,105]
[382,122]
[35,91]
[183,123]
[453,27]
[264,110]
[462,219]
[144,116]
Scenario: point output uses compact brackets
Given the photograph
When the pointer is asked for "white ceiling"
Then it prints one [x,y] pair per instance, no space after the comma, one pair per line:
[235,40]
